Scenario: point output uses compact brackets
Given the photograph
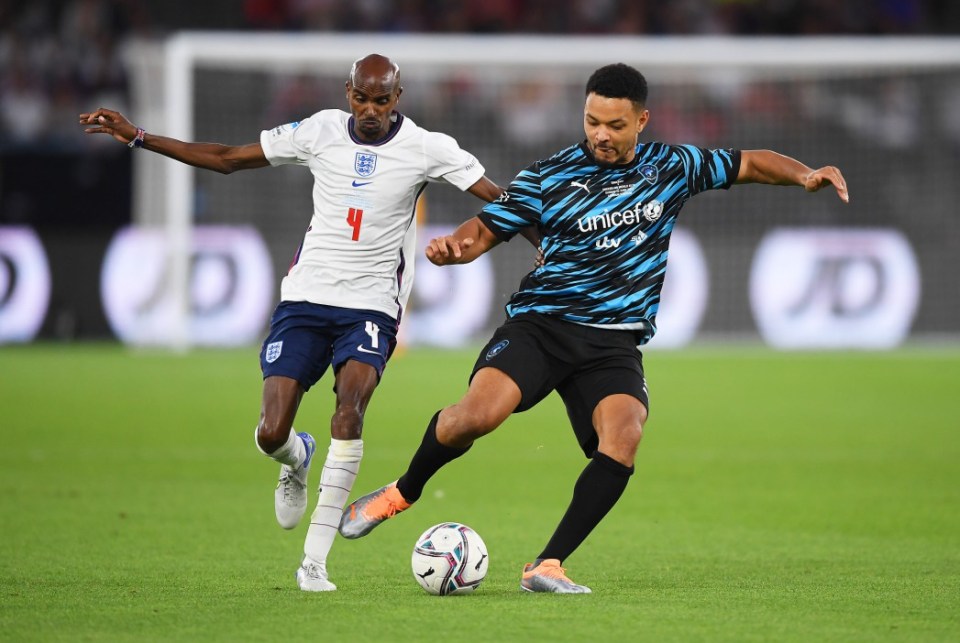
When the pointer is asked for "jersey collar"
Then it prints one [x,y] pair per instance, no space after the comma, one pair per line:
[394,128]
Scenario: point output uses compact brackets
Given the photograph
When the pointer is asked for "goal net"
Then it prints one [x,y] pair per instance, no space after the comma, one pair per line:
[757,262]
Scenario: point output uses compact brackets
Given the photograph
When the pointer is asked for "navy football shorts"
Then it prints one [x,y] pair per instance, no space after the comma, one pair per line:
[583,364]
[306,338]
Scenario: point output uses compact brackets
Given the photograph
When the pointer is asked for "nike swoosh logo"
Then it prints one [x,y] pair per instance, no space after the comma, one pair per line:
[366,350]
[361,183]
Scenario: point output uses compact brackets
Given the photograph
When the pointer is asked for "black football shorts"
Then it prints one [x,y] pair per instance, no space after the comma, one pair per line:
[583,364]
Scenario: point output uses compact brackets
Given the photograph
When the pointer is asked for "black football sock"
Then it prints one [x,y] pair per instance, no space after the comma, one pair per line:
[429,458]
[599,487]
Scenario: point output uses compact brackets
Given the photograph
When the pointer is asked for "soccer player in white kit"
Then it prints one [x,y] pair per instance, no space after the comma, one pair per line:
[344,296]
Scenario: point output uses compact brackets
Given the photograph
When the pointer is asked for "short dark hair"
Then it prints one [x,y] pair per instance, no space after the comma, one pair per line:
[619,81]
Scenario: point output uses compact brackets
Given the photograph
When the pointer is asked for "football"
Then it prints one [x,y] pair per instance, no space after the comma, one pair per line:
[449,558]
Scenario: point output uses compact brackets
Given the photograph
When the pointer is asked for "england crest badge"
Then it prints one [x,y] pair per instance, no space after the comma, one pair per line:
[273,352]
[365,163]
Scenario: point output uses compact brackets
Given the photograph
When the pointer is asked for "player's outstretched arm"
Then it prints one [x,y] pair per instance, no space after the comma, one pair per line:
[764,166]
[467,242]
[210,156]
[485,189]
[489,191]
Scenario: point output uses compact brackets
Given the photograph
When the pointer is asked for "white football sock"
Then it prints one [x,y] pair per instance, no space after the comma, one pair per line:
[292,453]
[336,481]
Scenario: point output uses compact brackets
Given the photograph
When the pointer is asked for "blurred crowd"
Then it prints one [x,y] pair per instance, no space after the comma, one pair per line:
[651,17]
[60,57]
[57,57]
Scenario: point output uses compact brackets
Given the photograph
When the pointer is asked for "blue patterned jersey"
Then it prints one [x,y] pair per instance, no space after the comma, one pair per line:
[605,228]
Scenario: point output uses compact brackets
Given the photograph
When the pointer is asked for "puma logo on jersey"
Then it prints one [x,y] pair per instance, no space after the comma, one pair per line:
[585,185]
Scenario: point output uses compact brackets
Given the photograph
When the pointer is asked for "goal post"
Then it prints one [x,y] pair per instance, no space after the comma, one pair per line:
[882,109]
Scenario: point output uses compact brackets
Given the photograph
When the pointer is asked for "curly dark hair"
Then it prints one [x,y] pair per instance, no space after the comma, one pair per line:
[618,81]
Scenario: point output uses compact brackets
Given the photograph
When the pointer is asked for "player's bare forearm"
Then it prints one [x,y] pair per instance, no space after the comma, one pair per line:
[771,168]
[764,166]
[210,156]
[485,189]
[467,242]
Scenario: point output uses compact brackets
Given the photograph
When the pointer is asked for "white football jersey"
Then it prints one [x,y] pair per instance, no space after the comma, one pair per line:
[358,251]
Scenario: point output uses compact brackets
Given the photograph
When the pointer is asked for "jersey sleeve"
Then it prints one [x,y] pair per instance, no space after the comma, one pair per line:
[446,161]
[709,169]
[288,144]
[520,206]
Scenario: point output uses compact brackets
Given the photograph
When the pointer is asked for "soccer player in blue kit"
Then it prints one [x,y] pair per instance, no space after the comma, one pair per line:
[605,208]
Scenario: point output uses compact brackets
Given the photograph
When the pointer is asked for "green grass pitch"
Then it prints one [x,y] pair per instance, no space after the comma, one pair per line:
[778,497]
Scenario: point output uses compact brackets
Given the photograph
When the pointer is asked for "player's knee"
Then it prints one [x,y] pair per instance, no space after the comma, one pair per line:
[630,435]
[347,422]
[622,444]
[272,434]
